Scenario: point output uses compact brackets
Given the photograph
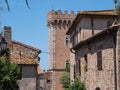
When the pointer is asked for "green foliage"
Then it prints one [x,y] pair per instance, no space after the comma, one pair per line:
[77,85]
[67,67]
[5,54]
[8,73]
[65,80]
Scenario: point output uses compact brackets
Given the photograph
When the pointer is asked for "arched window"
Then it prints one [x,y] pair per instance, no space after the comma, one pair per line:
[60,23]
[67,41]
[64,23]
[69,24]
[67,66]
[97,88]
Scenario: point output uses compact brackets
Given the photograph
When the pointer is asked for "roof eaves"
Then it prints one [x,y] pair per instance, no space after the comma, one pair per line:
[74,24]
[33,48]
[96,35]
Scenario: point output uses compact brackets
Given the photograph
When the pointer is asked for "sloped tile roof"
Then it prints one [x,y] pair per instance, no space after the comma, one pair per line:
[39,70]
[80,15]
[100,12]
[15,58]
[112,28]
[26,50]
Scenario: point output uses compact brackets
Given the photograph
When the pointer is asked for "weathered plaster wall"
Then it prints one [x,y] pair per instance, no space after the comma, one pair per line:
[29,77]
[93,78]
[99,24]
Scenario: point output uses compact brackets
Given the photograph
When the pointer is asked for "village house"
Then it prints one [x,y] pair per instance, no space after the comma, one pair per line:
[27,58]
[95,49]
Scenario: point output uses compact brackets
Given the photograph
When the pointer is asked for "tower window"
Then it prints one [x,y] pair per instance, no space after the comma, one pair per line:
[67,66]
[67,42]
[97,88]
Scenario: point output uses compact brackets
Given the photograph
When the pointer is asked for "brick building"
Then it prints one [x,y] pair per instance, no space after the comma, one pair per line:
[58,24]
[26,57]
[95,49]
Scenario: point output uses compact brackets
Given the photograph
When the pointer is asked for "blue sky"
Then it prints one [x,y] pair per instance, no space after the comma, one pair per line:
[29,26]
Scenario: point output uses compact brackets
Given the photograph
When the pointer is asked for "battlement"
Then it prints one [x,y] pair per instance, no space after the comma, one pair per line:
[61,14]
[60,17]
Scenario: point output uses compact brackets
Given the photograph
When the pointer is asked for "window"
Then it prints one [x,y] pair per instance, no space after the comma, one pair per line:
[76,37]
[74,71]
[97,88]
[72,40]
[67,66]
[79,67]
[48,81]
[79,35]
[99,60]
[67,42]
[86,63]
[69,24]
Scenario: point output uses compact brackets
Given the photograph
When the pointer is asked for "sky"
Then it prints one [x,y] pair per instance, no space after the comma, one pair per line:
[29,26]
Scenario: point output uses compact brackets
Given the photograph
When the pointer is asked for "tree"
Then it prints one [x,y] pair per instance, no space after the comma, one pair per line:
[77,85]
[8,7]
[65,80]
[9,72]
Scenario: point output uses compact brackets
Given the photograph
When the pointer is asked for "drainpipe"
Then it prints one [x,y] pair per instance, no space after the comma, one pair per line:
[72,51]
[115,6]
[92,24]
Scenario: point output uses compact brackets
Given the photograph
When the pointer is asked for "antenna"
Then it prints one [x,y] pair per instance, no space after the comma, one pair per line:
[115,5]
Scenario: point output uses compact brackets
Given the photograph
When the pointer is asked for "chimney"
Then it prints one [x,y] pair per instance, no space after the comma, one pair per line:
[7,33]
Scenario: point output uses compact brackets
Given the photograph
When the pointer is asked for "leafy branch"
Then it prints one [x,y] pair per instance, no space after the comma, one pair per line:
[8,6]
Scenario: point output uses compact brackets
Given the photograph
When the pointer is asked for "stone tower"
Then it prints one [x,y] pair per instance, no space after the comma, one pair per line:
[58,24]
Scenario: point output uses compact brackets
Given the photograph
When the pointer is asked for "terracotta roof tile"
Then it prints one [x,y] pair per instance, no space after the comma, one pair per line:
[39,70]
[27,46]
[15,58]
[101,12]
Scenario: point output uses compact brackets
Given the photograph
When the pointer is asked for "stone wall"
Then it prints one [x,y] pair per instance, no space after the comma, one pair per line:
[93,77]
[25,50]
[45,81]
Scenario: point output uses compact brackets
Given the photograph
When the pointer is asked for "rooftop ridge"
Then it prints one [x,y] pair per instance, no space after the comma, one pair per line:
[52,15]
[60,17]
[59,12]
[28,46]
[104,12]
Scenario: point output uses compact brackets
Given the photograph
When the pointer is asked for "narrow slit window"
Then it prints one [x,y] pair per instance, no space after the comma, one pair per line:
[99,60]
[67,42]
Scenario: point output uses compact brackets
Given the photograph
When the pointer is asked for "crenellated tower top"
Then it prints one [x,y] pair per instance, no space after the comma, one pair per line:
[59,18]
